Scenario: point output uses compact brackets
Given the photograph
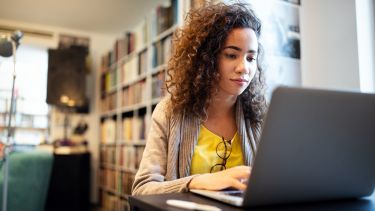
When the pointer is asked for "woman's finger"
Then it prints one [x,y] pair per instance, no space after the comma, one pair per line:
[238,185]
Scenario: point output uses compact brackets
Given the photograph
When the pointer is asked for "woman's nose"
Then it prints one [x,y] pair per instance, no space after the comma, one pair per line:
[242,66]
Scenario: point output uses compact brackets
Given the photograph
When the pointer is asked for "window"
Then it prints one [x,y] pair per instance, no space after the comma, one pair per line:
[31,111]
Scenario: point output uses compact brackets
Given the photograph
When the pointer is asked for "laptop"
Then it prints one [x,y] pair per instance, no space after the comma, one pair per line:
[315,145]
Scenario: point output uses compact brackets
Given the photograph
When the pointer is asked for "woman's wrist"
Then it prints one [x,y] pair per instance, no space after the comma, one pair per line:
[194,182]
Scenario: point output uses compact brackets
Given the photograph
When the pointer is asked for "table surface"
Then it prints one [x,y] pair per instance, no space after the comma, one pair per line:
[158,202]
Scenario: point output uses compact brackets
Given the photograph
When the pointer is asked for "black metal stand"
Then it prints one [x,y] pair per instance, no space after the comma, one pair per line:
[66,123]
[8,145]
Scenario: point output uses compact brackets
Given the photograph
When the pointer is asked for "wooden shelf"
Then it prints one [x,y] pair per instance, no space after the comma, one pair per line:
[135,89]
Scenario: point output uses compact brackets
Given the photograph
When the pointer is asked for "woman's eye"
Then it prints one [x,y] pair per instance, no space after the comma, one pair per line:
[250,59]
[230,56]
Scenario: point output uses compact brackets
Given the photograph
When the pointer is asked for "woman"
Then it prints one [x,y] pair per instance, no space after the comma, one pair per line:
[204,136]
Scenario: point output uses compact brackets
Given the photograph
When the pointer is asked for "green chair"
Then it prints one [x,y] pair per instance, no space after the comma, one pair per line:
[28,180]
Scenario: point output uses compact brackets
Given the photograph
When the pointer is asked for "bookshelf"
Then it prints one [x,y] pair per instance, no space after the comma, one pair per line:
[132,75]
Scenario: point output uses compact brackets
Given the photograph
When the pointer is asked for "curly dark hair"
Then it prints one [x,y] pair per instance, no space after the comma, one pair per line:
[193,68]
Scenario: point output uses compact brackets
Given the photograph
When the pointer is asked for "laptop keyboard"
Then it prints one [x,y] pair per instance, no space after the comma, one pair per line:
[233,193]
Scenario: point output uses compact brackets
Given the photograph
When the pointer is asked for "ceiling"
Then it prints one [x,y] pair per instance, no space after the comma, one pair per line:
[100,16]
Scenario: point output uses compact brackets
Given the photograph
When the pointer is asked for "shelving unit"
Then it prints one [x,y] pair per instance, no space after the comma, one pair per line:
[28,128]
[132,76]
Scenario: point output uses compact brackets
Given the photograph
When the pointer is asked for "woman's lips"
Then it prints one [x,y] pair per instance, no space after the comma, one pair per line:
[240,81]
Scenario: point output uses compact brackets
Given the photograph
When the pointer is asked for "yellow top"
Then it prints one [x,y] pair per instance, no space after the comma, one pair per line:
[205,155]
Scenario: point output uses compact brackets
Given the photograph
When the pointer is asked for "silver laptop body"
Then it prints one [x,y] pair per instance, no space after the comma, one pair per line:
[315,145]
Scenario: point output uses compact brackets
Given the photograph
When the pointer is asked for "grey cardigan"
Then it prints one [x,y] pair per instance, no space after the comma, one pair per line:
[166,161]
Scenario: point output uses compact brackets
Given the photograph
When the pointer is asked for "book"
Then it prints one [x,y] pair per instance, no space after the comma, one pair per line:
[142,63]
[108,131]
[157,85]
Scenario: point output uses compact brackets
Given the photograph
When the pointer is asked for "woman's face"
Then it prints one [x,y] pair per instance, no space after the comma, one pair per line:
[237,61]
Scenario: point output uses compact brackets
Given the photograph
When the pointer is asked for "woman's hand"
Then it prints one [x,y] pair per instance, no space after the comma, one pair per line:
[232,177]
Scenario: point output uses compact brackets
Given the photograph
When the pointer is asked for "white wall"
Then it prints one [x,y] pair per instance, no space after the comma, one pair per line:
[99,44]
[337,44]
[329,49]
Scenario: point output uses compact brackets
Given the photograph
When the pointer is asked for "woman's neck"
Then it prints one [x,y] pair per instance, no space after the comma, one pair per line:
[221,117]
[221,106]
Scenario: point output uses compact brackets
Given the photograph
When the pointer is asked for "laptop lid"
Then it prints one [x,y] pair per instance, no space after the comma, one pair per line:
[315,145]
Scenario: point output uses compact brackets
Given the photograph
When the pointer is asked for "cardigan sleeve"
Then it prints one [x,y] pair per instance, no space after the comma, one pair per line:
[150,178]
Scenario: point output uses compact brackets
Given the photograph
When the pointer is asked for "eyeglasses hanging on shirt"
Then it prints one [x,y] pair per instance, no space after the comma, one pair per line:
[223,150]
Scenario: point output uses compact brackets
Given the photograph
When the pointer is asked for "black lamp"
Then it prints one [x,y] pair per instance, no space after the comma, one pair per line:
[8,46]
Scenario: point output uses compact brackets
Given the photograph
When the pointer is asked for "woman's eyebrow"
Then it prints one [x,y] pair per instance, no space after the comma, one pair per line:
[239,49]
